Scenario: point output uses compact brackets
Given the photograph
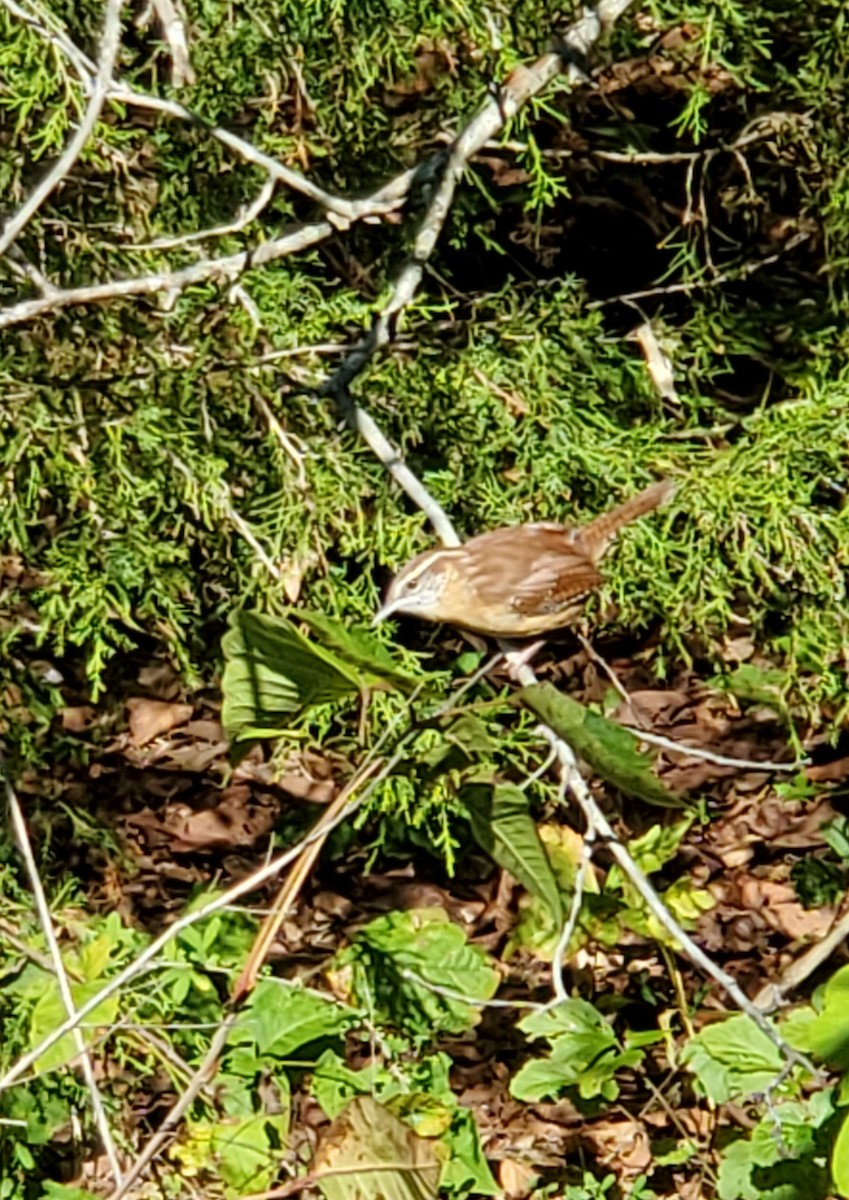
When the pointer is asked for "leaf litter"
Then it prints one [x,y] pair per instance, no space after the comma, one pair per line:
[183,815]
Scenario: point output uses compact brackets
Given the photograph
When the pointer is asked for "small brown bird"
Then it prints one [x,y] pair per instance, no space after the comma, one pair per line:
[515,582]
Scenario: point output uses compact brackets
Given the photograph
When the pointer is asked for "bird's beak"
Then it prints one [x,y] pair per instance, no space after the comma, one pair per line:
[386,610]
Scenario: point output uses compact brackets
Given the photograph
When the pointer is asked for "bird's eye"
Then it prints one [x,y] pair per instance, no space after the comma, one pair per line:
[412,585]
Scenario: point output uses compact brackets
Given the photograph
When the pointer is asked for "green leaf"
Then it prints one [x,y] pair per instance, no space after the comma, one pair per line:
[840,1159]
[501,822]
[50,1012]
[243,1148]
[271,671]
[585,1054]
[766,1166]
[64,1191]
[609,749]
[280,1019]
[733,1059]
[359,648]
[460,743]
[398,962]
[824,1034]
[334,1084]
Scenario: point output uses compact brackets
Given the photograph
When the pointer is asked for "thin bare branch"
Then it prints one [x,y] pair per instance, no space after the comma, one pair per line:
[244,217]
[773,995]
[43,908]
[387,199]
[110,40]
[521,85]
[148,957]
[558,983]
[596,819]
[721,760]
[172,23]
[228,267]
[200,1079]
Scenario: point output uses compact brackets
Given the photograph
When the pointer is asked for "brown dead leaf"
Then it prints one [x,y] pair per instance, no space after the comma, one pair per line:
[161,680]
[748,827]
[622,1145]
[369,1154]
[78,718]
[518,1179]
[769,905]
[503,173]
[833,772]
[236,821]
[148,718]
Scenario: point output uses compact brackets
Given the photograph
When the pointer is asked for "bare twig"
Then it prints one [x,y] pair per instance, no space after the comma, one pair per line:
[9,934]
[172,23]
[522,84]
[172,282]
[147,959]
[773,995]
[99,1112]
[387,199]
[110,40]
[604,830]
[270,927]
[200,1079]
[244,217]
[570,924]
[224,499]
[722,760]
[286,440]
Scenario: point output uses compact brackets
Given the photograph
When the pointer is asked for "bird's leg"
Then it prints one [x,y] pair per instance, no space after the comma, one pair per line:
[516,659]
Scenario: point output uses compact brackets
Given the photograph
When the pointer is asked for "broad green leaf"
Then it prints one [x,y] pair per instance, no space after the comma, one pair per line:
[39,1113]
[824,1034]
[334,1084]
[501,822]
[244,1147]
[466,1170]
[733,1059]
[271,671]
[365,1136]
[766,1166]
[50,1012]
[461,742]
[397,963]
[64,1191]
[359,648]
[280,1020]
[575,1017]
[585,1054]
[840,1159]
[609,749]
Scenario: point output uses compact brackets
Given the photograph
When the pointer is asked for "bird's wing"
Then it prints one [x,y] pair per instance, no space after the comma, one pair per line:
[540,567]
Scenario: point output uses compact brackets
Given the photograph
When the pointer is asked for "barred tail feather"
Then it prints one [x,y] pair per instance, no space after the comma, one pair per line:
[599,533]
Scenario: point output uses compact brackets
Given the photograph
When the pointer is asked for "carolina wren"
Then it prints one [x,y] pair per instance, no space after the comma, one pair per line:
[514,582]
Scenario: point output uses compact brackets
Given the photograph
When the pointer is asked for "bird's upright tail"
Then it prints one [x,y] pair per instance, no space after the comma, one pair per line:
[600,532]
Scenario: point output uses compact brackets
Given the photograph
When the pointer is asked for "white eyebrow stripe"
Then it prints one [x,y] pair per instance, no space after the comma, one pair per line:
[427,562]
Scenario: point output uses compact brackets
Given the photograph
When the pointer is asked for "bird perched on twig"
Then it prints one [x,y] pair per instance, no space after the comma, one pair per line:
[518,581]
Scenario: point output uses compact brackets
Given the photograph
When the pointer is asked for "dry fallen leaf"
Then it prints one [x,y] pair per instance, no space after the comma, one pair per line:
[517,1178]
[369,1154]
[149,718]
[658,363]
[78,718]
